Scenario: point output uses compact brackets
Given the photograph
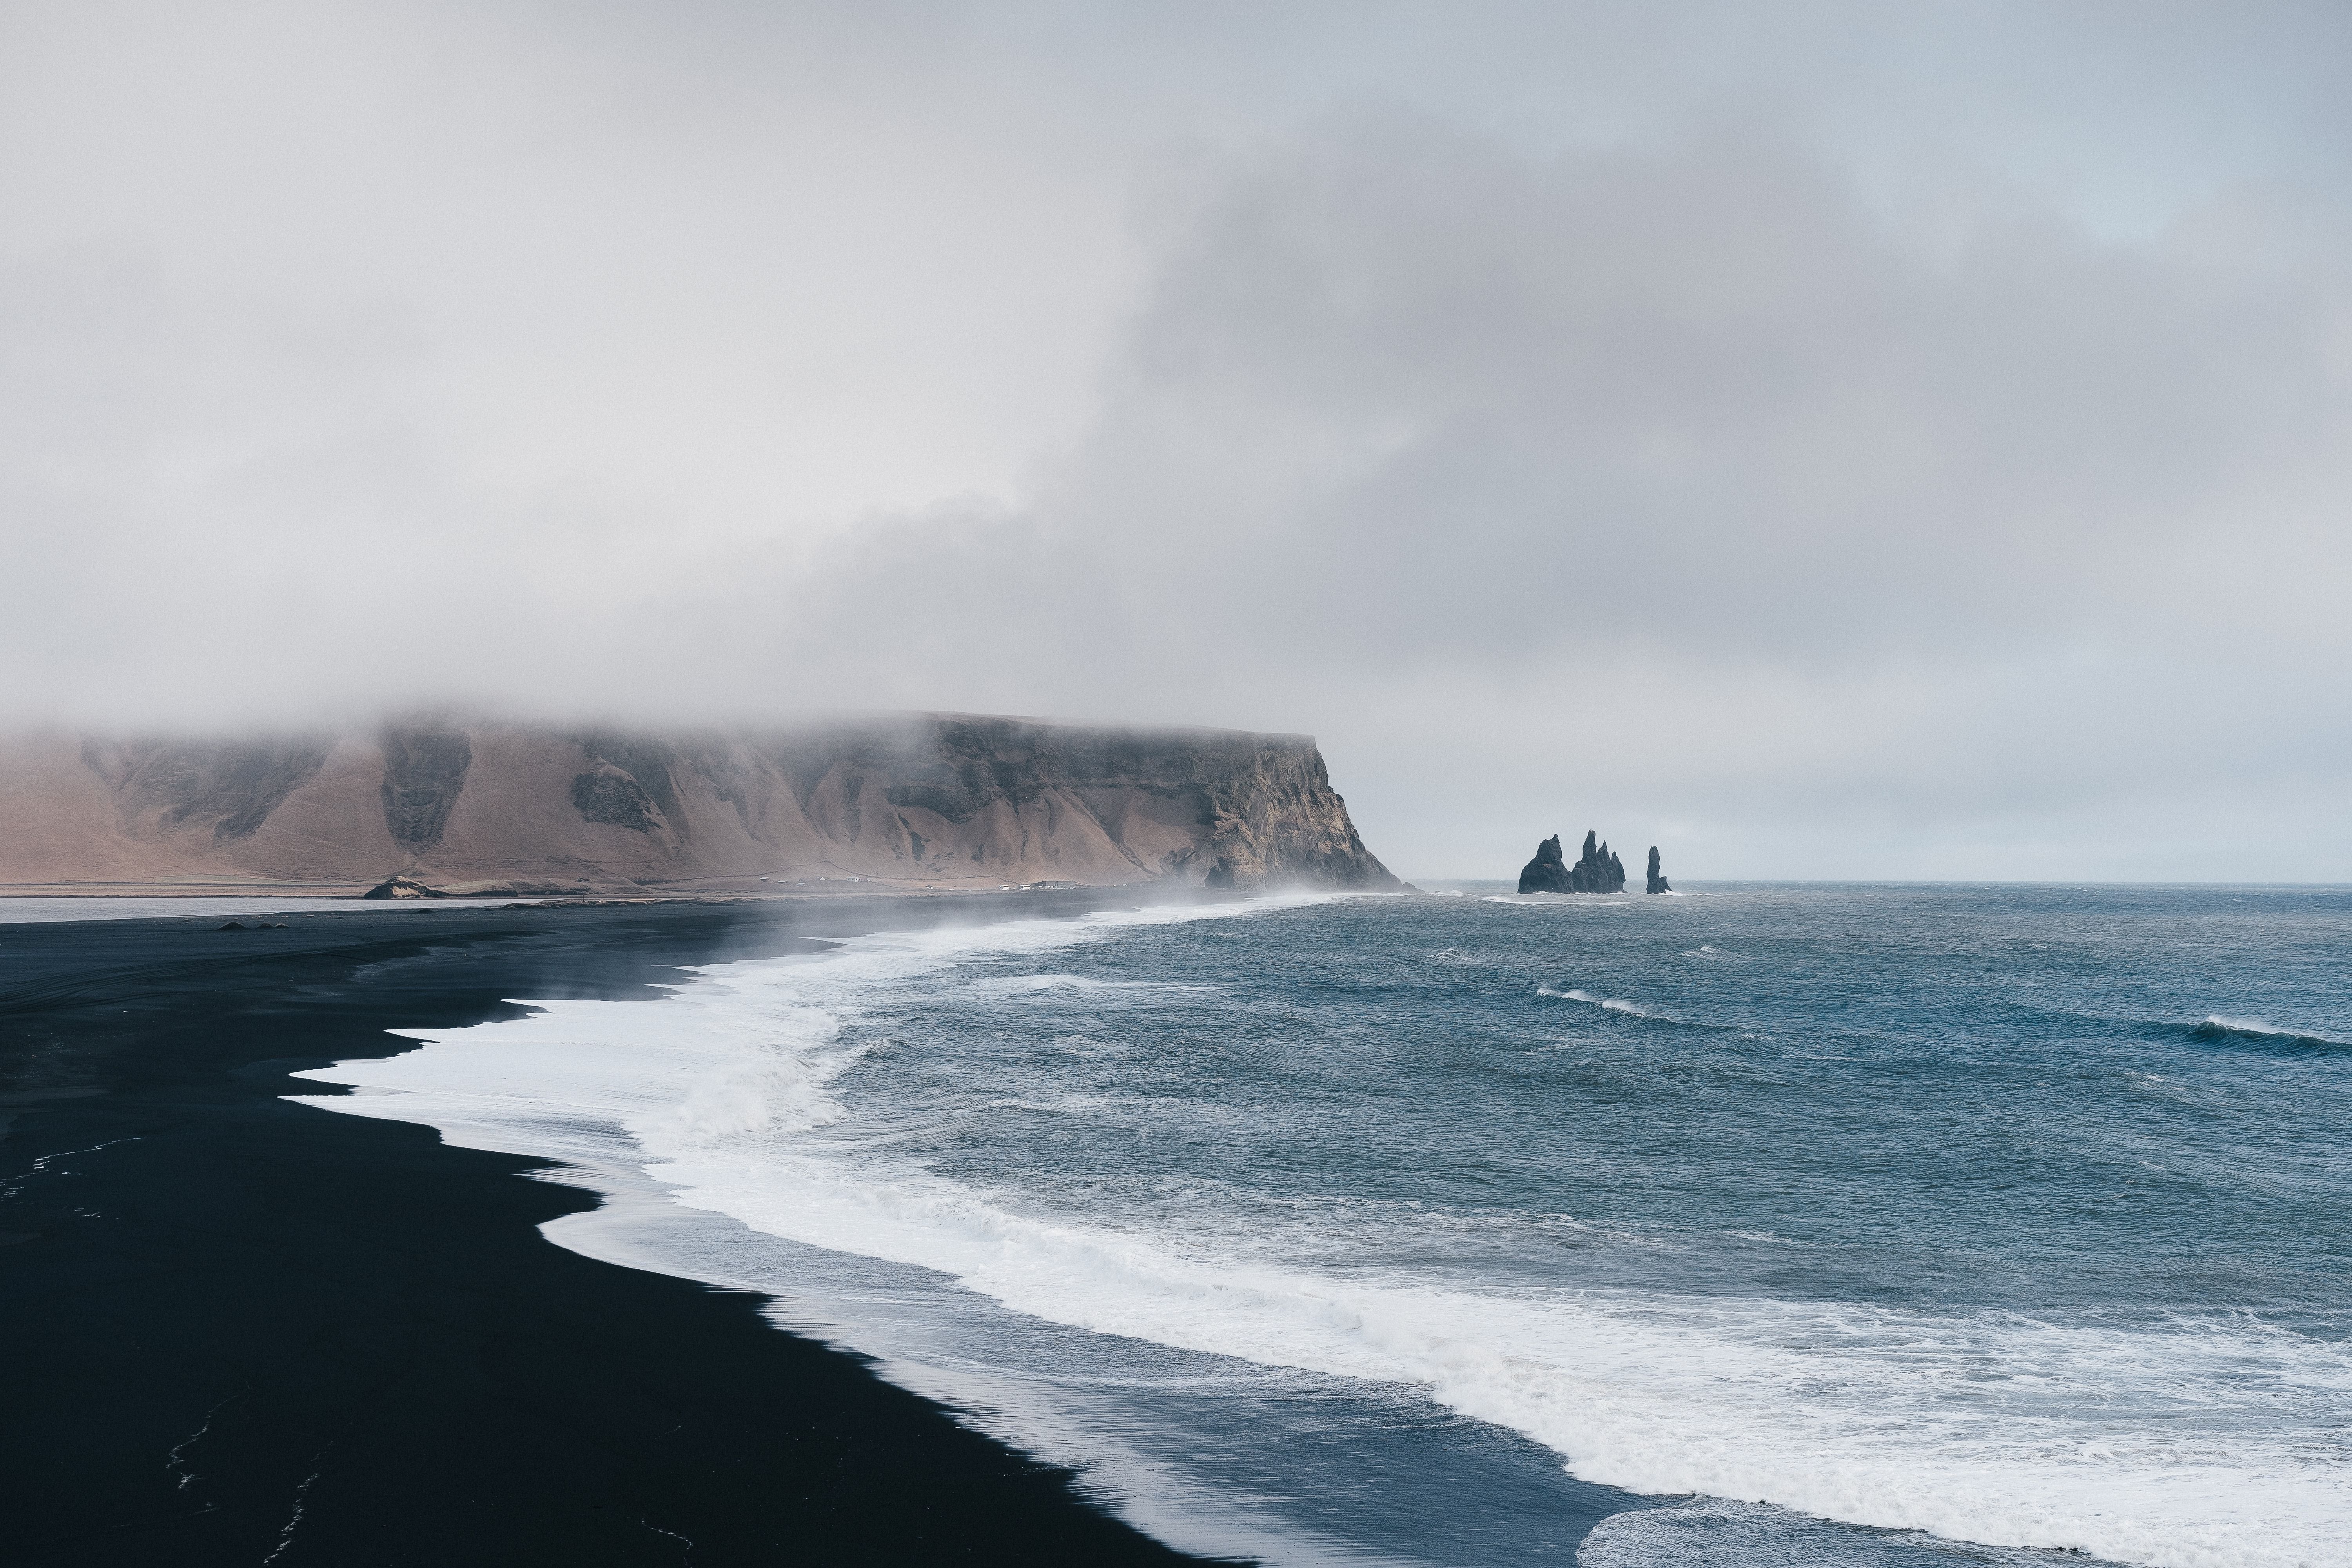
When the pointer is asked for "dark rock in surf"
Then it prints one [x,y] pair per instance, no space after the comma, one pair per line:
[1548,872]
[1597,871]
[1657,877]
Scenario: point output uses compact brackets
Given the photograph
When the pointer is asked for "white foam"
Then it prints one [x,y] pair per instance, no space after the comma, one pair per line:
[1718,1532]
[1562,901]
[2263,1026]
[2198,1444]
[1039,986]
[1609,1003]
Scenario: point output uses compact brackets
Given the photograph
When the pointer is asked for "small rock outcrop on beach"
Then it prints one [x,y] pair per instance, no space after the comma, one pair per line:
[1657,876]
[402,888]
[1596,871]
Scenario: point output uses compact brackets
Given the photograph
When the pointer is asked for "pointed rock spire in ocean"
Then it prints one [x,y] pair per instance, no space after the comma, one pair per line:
[1657,877]
[1597,871]
[1548,872]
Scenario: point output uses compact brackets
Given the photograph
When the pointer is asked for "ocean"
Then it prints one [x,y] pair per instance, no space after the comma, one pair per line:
[1757,1225]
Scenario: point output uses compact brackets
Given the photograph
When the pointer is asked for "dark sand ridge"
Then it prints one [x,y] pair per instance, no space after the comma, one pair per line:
[913,801]
[242,1330]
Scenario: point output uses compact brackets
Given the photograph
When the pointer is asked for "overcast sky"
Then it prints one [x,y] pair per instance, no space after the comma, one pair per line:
[1846,440]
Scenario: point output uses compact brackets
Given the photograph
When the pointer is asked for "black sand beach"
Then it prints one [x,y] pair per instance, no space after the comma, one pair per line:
[239,1331]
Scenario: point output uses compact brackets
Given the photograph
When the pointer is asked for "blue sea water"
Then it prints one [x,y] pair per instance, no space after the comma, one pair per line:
[1757,1226]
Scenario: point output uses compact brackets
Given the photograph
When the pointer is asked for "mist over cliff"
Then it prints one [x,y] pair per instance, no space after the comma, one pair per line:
[911,800]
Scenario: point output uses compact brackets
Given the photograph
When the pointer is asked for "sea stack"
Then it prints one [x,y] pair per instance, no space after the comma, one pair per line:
[1548,872]
[1657,877]
[1597,871]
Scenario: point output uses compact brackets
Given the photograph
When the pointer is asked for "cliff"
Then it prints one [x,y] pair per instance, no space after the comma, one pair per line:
[1658,883]
[938,800]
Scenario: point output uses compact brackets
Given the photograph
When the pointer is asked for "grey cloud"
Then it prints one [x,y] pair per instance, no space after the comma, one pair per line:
[1680,422]
[1709,374]
[1822,446]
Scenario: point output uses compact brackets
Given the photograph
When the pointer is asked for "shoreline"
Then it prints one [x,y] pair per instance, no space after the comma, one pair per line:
[247,1331]
[732,889]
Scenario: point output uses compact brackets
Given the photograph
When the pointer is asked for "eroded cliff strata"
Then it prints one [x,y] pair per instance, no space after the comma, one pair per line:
[938,800]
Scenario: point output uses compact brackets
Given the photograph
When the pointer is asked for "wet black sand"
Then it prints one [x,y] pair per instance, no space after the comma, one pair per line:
[234,1330]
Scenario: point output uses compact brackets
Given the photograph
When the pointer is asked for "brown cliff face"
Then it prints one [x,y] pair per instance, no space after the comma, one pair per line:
[919,800]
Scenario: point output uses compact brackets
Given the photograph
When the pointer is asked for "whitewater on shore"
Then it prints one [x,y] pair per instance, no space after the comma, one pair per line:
[1826,1225]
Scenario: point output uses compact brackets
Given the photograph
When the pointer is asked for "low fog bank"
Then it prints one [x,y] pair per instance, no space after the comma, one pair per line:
[1812,481]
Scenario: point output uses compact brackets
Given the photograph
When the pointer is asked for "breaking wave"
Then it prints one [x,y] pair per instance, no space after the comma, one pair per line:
[1998,1427]
[1606,1003]
[2261,1034]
